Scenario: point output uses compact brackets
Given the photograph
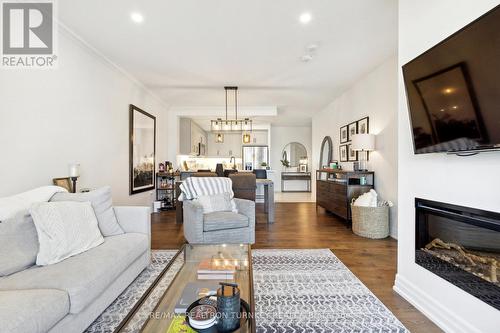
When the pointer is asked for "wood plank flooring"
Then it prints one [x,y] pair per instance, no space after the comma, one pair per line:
[300,225]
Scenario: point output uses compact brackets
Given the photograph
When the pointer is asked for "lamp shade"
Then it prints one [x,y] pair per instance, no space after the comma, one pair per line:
[364,142]
[74,170]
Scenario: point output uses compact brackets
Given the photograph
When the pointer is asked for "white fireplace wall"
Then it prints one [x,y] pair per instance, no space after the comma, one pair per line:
[466,181]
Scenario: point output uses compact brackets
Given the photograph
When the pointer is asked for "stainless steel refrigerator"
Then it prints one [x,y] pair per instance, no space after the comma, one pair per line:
[254,156]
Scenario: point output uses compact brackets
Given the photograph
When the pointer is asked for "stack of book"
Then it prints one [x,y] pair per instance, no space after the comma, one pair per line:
[216,269]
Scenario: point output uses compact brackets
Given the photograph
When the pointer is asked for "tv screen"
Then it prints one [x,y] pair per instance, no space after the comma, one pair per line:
[453,90]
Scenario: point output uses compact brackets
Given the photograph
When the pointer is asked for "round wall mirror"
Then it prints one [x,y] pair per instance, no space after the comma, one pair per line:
[293,154]
[326,152]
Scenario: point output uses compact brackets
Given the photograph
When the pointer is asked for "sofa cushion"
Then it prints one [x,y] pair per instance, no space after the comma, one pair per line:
[64,229]
[224,220]
[32,310]
[86,275]
[103,207]
[19,243]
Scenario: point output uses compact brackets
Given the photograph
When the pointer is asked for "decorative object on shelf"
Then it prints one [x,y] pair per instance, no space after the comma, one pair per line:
[142,150]
[219,138]
[363,126]
[344,136]
[246,138]
[343,153]
[352,130]
[161,167]
[64,183]
[231,125]
[74,173]
[352,155]
[228,307]
[363,143]
[334,164]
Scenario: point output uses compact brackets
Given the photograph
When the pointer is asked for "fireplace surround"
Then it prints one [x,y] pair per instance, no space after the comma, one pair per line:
[460,245]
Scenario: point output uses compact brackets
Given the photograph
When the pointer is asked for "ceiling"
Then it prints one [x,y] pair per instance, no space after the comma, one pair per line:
[185,51]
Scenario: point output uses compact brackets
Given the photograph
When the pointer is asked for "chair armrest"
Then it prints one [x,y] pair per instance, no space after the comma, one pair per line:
[134,219]
[247,208]
[193,221]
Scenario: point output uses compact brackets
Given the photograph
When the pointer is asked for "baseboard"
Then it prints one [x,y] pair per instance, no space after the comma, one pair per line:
[441,316]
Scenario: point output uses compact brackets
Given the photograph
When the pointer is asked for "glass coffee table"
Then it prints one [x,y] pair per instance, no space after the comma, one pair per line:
[154,312]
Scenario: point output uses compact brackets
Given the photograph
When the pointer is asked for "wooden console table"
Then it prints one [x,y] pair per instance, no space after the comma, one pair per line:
[296,176]
[335,189]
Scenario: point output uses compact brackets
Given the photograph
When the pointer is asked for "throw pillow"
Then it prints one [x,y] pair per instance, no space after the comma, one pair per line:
[103,207]
[217,203]
[64,230]
[18,243]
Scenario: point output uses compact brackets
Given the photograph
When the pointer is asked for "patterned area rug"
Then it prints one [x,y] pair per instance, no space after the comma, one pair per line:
[313,291]
[295,291]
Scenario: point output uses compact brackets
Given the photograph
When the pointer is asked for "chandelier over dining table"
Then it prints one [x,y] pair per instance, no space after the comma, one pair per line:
[231,125]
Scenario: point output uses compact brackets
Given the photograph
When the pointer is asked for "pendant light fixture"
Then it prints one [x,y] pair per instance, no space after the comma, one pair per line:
[231,125]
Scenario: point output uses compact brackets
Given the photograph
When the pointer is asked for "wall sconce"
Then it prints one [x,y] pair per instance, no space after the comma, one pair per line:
[246,138]
[74,173]
[219,138]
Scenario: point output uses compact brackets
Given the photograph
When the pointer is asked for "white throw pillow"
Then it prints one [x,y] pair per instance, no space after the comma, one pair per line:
[217,203]
[64,230]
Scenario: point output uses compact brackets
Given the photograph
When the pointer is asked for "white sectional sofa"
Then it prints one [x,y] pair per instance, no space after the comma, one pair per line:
[68,296]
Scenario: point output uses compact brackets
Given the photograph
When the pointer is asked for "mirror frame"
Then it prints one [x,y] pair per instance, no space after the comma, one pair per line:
[326,140]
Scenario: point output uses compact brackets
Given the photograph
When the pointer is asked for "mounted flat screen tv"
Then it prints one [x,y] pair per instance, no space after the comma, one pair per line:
[453,90]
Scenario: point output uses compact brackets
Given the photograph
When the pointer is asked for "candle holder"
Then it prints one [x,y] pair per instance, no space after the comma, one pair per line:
[228,307]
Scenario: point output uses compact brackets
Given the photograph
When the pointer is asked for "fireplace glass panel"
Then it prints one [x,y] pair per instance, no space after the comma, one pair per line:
[462,246]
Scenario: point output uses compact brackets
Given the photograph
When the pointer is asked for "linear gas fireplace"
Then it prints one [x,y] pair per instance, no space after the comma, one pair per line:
[461,245]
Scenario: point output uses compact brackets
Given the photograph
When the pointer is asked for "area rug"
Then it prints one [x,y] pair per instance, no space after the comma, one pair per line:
[313,291]
[295,291]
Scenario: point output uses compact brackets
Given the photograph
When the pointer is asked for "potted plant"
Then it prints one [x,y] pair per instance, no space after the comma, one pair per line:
[264,165]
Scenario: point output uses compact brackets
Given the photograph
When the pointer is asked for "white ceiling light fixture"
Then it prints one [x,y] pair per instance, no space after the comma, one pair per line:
[305,18]
[231,125]
[136,17]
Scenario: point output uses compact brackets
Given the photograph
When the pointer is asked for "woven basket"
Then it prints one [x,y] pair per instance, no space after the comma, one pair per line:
[370,222]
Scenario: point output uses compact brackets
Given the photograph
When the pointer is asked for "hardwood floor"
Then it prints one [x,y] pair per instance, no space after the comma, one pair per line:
[299,225]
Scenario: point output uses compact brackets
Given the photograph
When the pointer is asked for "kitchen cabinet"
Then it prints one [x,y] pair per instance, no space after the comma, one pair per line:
[230,147]
[191,138]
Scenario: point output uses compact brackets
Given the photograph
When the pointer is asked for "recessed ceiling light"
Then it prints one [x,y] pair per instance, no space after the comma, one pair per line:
[137,17]
[305,18]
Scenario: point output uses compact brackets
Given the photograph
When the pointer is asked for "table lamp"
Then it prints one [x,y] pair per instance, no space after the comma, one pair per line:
[74,173]
[363,143]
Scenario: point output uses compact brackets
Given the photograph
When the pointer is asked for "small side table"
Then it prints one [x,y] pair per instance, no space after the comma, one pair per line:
[296,176]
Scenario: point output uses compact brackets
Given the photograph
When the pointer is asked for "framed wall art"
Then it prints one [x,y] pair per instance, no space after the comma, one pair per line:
[363,126]
[352,129]
[352,155]
[344,137]
[343,153]
[142,150]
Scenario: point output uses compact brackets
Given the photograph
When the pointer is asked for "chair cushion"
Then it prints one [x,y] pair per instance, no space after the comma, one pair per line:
[32,310]
[217,203]
[224,220]
[84,276]
[19,243]
[103,207]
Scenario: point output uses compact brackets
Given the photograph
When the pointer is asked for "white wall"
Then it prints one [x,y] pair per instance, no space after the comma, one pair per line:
[75,113]
[470,181]
[375,96]
[280,137]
